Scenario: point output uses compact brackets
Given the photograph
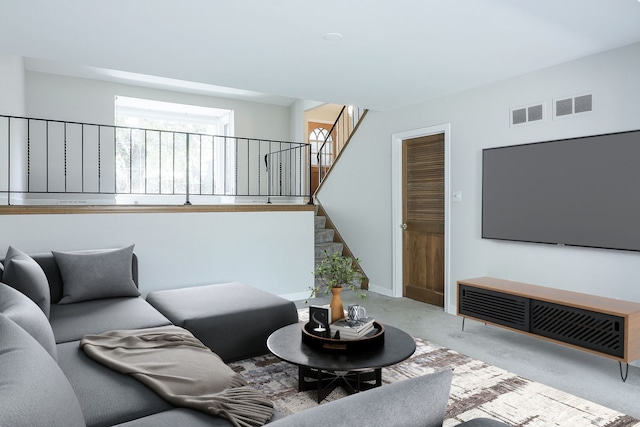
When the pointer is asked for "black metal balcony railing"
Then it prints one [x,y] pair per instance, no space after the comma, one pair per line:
[62,162]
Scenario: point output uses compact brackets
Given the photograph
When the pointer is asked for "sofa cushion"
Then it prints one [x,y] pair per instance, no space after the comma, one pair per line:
[420,401]
[70,322]
[89,275]
[184,417]
[33,389]
[106,397]
[211,311]
[17,307]
[178,417]
[24,274]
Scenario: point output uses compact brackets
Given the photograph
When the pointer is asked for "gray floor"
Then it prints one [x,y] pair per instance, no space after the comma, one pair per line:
[580,373]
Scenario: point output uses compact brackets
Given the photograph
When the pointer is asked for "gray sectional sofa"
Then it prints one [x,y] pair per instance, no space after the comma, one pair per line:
[47,380]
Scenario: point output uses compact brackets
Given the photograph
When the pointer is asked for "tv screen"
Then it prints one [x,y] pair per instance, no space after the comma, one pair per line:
[580,192]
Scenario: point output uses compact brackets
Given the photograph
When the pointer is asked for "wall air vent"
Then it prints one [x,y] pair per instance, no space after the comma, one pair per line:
[528,114]
[519,116]
[582,104]
[564,107]
[570,106]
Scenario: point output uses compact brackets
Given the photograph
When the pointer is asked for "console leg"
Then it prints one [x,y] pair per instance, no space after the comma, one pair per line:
[626,374]
[463,319]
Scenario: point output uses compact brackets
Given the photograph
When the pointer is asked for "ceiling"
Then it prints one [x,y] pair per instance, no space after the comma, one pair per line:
[391,54]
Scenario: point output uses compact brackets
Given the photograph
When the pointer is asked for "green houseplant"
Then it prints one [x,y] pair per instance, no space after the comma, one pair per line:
[334,273]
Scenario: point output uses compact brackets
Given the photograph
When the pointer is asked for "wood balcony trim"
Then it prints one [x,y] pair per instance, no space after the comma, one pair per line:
[139,209]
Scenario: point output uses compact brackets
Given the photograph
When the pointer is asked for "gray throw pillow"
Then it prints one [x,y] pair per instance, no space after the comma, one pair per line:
[89,275]
[19,308]
[21,272]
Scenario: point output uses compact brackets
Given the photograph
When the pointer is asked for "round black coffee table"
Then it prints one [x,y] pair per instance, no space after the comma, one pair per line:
[324,370]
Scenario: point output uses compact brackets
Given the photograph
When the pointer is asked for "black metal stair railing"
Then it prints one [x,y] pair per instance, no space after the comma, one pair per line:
[341,132]
[337,138]
[64,162]
[288,171]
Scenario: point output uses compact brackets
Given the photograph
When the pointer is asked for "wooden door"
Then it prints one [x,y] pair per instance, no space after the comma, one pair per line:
[423,219]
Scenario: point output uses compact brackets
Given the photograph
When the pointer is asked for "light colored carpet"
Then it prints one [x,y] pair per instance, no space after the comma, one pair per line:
[478,390]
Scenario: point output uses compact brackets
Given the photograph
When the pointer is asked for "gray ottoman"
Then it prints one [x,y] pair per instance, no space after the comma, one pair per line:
[232,319]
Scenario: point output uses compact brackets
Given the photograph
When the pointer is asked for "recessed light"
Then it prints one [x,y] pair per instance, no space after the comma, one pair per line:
[332,37]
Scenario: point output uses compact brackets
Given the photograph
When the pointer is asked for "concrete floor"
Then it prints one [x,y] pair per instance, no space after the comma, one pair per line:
[580,373]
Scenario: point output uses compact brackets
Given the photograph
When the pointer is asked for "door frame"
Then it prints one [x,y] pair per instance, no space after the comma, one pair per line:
[396,207]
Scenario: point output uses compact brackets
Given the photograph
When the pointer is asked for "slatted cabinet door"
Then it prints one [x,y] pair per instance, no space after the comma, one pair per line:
[423,215]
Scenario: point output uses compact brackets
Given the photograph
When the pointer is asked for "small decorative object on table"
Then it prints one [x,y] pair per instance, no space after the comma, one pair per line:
[319,320]
[352,330]
[336,272]
[355,312]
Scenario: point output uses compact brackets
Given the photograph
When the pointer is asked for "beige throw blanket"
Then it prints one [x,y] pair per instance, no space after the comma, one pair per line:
[182,370]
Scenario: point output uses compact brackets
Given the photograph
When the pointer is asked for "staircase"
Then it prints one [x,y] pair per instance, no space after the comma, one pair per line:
[328,239]
[324,238]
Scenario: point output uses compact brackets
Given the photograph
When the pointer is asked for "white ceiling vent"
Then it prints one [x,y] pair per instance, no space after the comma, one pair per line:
[570,106]
[528,114]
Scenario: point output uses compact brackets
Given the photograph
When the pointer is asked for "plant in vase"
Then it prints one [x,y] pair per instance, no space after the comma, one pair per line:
[336,272]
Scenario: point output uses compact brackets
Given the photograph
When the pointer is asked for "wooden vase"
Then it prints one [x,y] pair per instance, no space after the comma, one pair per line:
[337,310]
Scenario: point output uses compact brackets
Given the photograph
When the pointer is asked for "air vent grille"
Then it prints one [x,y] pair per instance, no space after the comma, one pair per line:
[535,113]
[503,309]
[519,116]
[582,104]
[523,115]
[588,329]
[564,107]
[573,105]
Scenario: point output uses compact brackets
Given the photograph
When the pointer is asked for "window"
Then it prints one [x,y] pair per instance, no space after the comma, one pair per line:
[316,139]
[162,147]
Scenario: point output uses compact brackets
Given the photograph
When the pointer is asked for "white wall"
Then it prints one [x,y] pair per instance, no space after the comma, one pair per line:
[270,250]
[296,117]
[51,96]
[357,194]
[12,85]
[12,103]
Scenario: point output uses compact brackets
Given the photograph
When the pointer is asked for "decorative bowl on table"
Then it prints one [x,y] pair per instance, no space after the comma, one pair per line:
[374,339]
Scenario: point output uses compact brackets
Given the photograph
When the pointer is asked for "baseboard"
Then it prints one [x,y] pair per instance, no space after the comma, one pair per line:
[380,290]
[452,309]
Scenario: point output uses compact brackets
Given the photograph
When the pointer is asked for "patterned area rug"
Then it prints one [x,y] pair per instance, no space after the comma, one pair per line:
[478,390]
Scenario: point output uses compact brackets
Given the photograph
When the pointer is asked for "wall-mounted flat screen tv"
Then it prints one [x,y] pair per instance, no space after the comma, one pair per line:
[580,192]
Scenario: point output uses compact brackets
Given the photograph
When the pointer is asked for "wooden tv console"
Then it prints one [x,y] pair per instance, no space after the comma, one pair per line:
[603,326]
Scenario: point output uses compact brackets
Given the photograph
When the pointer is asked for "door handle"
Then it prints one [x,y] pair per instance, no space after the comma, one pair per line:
[403,226]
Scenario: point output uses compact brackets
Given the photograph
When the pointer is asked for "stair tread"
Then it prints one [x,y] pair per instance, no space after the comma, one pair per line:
[331,247]
[324,235]
[328,244]
[324,231]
